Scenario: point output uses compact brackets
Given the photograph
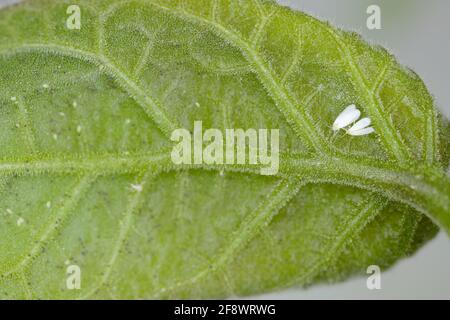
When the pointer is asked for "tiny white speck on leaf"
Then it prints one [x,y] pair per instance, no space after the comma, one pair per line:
[62,114]
[74,104]
[55,136]
[48,204]
[13,98]
[20,221]
[197,105]
[136,187]
[45,86]
[78,128]
[127,121]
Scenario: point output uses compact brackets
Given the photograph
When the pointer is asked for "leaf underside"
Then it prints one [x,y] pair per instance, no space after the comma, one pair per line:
[86,114]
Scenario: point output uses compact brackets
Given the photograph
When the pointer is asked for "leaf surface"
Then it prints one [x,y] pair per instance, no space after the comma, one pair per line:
[86,116]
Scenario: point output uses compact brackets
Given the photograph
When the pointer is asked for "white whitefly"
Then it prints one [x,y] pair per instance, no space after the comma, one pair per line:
[362,132]
[346,117]
[361,124]
[361,128]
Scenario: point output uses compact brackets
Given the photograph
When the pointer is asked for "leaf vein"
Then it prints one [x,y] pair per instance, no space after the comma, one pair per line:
[391,138]
[298,118]
[149,104]
[261,217]
[348,229]
[125,225]
[58,220]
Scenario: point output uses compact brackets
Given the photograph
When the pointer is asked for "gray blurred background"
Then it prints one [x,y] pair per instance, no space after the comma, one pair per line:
[418,33]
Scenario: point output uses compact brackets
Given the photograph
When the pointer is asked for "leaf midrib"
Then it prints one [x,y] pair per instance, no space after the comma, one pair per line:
[315,168]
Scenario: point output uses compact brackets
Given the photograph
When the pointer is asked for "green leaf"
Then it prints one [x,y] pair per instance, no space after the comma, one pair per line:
[85,121]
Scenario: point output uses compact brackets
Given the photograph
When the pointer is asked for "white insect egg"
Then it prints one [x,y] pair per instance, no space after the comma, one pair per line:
[361,128]
[346,117]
